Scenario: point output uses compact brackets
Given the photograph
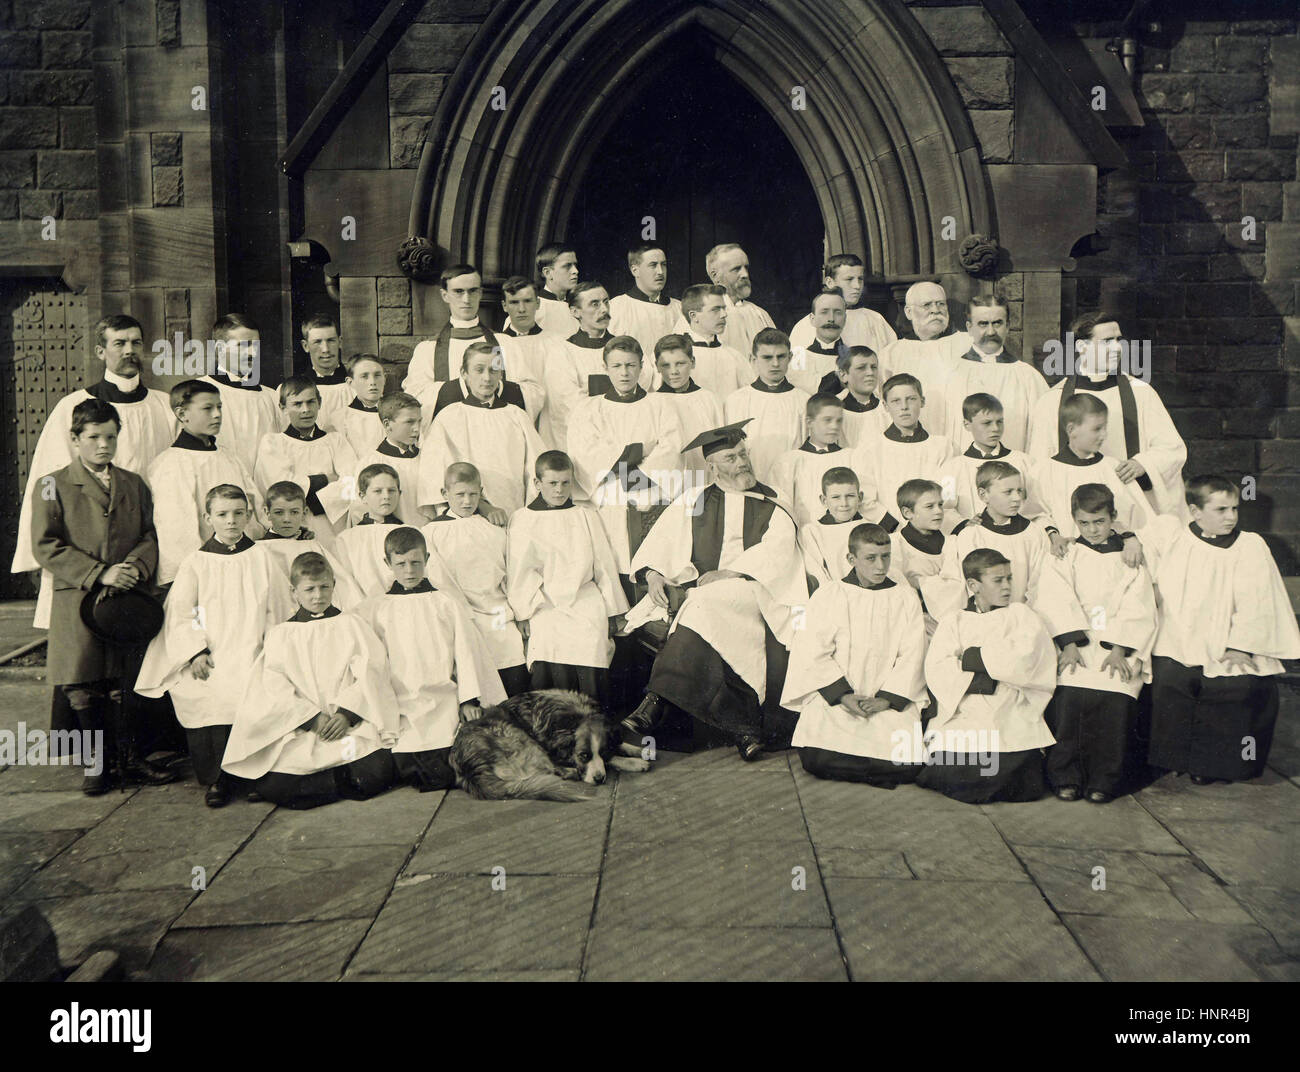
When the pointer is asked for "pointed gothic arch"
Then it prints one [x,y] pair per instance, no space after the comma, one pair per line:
[884,139]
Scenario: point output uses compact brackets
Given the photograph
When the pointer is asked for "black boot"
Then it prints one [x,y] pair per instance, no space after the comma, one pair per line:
[646,717]
[132,768]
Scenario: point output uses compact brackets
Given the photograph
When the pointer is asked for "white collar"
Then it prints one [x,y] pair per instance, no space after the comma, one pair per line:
[988,357]
[697,337]
[121,382]
[464,323]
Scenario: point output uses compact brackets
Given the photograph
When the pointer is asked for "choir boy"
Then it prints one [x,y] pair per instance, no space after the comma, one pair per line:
[856,673]
[992,669]
[825,542]
[358,421]
[287,537]
[918,543]
[718,367]
[775,406]
[1104,626]
[485,429]
[698,408]
[797,475]
[400,415]
[181,476]
[361,548]
[224,598]
[474,551]
[582,373]
[557,275]
[862,327]
[644,311]
[93,531]
[320,341]
[250,410]
[983,422]
[864,414]
[813,368]
[1226,623]
[563,584]
[439,666]
[319,716]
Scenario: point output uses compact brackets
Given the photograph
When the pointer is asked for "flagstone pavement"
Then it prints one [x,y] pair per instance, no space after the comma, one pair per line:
[704,869]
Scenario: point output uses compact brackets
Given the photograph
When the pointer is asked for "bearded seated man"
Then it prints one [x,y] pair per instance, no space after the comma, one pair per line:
[732,548]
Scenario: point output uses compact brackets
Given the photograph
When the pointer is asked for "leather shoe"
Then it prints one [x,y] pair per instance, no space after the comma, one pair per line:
[217,796]
[94,785]
[138,771]
[254,797]
[646,716]
[750,748]
[1201,779]
[1098,797]
[1067,792]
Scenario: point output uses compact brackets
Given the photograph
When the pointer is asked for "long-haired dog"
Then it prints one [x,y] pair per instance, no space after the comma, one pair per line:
[545,745]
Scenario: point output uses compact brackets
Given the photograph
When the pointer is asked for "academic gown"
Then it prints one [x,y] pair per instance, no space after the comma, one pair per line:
[437,660]
[862,419]
[309,665]
[180,478]
[637,434]
[884,463]
[1053,482]
[148,428]
[797,475]
[248,412]
[917,557]
[744,321]
[360,426]
[778,421]
[1215,594]
[869,641]
[313,461]
[1141,429]
[436,361]
[633,313]
[862,327]
[718,368]
[569,381]
[1014,383]
[825,543]
[563,580]
[1024,544]
[697,411]
[497,438]
[961,499]
[474,550]
[992,675]
[347,593]
[406,463]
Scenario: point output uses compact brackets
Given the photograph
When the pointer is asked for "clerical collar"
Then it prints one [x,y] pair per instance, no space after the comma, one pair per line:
[581,339]
[391,519]
[304,615]
[216,547]
[852,405]
[541,504]
[356,403]
[819,347]
[509,329]
[809,447]
[1013,526]
[186,441]
[224,378]
[919,436]
[779,389]
[638,393]
[699,340]
[312,433]
[691,385]
[1112,543]
[1000,358]
[826,519]
[1068,457]
[852,579]
[1087,383]
[544,293]
[930,543]
[465,325]
[637,294]
[339,375]
[1214,541]
[973,451]
[127,385]
[110,390]
[393,450]
[423,586]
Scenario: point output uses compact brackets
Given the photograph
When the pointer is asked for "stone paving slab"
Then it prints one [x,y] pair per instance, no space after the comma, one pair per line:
[526,837]
[465,977]
[722,883]
[1244,852]
[1276,910]
[960,931]
[304,952]
[1197,888]
[862,863]
[718,805]
[397,817]
[32,812]
[1270,800]
[1132,890]
[721,758]
[1133,950]
[129,923]
[65,778]
[21,855]
[719,954]
[269,885]
[859,816]
[459,923]
[1122,824]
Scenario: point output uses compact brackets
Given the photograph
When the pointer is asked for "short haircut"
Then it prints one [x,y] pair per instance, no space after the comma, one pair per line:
[980,402]
[317,321]
[480,347]
[844,359]
[516,283]
[548,255]
[770,337]
[391,405]
[453,270]
[990,472]
[1083,325]
[865,534]
[825,292]
[233,492]
[974,565]
[693,297]
[988,301]
[841,260]
[310,566]
[1092,499]
[910,491]
[638,251]
[117,322]
[285,491]
[402,539]
[819,402]
[552,461]
[670,343]
[625,343]
[368,474]
[352,362]
[581,288]
[1200,488]
[711,258]
[232,322]
[1078,406]
[901,379]
[295,385]
[839,474]
[461,473]
[93,411]
[183,393]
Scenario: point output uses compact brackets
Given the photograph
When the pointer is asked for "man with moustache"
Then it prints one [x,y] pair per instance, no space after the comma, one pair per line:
[582,372]
[728,266]
[862,327]
[812,368]
[644,311]
[929,348]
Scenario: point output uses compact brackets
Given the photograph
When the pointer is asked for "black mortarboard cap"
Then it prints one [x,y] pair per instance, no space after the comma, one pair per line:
[716,439]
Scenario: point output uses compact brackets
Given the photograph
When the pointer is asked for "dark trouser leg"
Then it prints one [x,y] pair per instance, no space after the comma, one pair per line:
[427,771]
[689,674]
[778,722]
[298,791]
[591,681]
[207,747]
[88,704]
[1095,733]
[369,776]
[1064,717]
[840,767]
[1009,776]
[514,679]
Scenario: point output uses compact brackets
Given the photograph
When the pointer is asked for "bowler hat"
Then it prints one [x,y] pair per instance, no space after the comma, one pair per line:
[125,618]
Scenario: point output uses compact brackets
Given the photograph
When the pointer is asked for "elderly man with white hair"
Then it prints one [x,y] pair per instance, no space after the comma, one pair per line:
[728,266]
[930,349]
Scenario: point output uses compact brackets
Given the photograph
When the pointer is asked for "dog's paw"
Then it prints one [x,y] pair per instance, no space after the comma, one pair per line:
[627,763]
